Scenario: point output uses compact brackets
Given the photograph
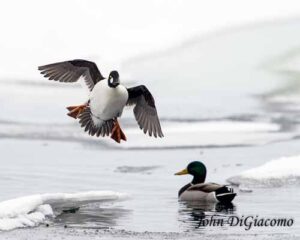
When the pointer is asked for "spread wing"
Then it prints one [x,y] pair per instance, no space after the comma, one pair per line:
[71,71]
[144,110]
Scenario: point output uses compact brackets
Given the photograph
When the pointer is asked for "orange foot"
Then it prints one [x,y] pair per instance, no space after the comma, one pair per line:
[74,111]
[117,133]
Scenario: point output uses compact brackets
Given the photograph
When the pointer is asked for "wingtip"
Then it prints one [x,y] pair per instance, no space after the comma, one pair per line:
[40,68]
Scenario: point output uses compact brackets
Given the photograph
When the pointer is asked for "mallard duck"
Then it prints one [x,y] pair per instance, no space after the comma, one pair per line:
[198,190]
[107,99]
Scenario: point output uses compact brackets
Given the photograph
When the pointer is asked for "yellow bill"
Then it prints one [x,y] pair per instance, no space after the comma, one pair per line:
[183,172]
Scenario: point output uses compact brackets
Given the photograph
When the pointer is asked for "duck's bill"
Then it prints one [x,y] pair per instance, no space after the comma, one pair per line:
[183,172]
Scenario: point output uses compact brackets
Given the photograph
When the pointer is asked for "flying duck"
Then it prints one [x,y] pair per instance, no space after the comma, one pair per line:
[197,190]
[107,99]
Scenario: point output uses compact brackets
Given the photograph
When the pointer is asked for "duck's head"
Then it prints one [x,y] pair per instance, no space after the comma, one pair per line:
[113,79]
[197,170]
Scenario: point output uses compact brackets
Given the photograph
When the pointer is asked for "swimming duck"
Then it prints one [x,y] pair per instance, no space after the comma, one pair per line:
[197,190]
[107,99]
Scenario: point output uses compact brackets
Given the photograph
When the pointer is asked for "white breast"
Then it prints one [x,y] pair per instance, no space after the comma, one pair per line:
[106,102]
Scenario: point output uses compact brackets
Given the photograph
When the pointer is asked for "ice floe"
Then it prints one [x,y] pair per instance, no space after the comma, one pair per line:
[280,172]
[30,211]
[210,134]
[221,133]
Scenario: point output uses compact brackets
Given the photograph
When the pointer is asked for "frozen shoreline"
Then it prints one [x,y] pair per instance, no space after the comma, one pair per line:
[83,234]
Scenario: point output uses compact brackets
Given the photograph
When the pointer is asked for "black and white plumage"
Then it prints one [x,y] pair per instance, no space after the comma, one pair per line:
[107,98]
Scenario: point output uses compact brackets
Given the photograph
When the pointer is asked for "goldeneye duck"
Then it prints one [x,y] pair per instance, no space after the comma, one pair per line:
[107,99]
[198,190]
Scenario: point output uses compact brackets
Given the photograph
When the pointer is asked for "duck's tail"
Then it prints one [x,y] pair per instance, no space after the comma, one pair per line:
[225,194]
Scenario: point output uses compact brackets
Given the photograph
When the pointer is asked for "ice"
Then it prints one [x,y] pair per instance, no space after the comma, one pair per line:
[284,171]
[206,134]
[177,134]
[30,211]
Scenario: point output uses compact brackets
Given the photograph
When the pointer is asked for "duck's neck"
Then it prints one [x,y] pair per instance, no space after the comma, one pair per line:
[198,179]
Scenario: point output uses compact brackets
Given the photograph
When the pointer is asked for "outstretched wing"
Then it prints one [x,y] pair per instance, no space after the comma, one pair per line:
[144,110]
[71,71]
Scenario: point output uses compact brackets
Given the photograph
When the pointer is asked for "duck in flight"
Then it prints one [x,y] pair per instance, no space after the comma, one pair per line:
[107,99]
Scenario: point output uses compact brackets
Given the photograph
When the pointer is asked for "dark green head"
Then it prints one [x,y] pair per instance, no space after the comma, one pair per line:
[197,170]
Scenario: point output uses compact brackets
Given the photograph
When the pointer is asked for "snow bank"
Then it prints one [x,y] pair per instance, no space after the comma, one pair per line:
[29,211]
[280,172]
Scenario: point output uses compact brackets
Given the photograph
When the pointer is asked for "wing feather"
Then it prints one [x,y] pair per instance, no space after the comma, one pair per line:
[144,110]
[71,71]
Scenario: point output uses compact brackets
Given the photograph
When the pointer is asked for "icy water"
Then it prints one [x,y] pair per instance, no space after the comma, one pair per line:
[147,176]
[226,100]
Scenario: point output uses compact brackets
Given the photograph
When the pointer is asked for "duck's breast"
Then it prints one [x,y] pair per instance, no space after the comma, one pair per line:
[106,102]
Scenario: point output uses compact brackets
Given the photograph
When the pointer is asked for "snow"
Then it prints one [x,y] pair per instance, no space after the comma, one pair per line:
[30,219]
[279,172]
[29,211]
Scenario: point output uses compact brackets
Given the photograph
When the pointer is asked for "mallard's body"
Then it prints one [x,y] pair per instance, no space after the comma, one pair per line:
[207,192]
[197,190]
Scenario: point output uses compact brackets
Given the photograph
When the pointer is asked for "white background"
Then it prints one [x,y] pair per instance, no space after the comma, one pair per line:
[39,32]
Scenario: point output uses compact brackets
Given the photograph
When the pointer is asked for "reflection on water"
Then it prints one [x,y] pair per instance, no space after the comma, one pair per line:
[92,216]
[199,215]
